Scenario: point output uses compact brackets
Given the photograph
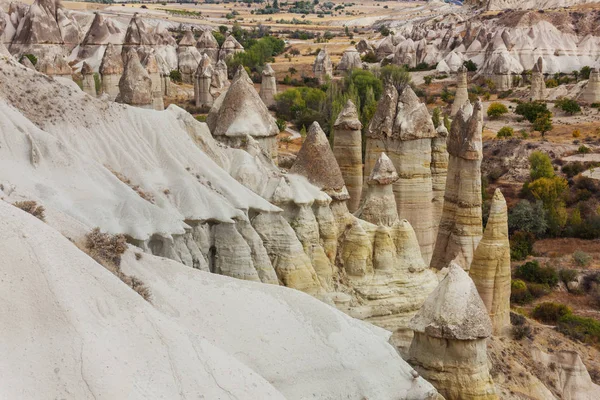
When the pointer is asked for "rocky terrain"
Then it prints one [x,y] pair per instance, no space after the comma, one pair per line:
[148,192]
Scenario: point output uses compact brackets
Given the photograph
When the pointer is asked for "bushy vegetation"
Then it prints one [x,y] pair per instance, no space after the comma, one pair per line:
[531,110]
[520,327]
[519,294]
[532,272]
[583,329]
[31,58]
[175,76]
[550,313]
[257,54]
[496,110]
[505,132]
[582,258]
[569,106]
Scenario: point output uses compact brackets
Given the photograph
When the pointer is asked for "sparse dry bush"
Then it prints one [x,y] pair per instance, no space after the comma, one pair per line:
[32,208]
[107,250]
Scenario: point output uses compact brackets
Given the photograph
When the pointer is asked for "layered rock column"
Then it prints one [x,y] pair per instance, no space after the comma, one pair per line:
[439,173]
[591,92]
[207,44]
[323,68]
[188,57]
[490,269]
[460,228]
[111,70]
[88,85]
[151,66]
[202,83]
[462,96]
[402,127]
[538,85]
[268,86]
[135,86]
[449,344]
[347,149]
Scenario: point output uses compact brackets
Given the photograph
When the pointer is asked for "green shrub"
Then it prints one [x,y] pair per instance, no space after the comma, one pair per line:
[505,132]
[531,110]
[582,258]
[538,290]
[532,272]
[175,76]
[551,83]
[496,110]
[595,105]
[428,79]
[521,332]
[583,149]
[201,118]
[281,124]
[505,94]
[584,72]
[470,65]
[550,313]
[529,217]
[567,275]
[519,294]
[580,328]
[31,57]
[569,106]
[521,245]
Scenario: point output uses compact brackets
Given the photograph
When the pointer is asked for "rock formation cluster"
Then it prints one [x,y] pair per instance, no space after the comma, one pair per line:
[490,269]
[347,148]
[449,344]
[460,228]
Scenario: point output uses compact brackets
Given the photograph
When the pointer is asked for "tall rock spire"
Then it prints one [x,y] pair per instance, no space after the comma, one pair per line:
[460,228]
[591,92]
[490,269]
[439,173]
[538,85]
[379,206]
[202,82]
[347,148]
[323,68]
[135,85]
[462,96]
[111,70]
[268,86]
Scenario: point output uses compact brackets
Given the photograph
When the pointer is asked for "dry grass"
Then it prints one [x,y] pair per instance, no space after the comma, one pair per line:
[32,208]
[136,188]
[107,250]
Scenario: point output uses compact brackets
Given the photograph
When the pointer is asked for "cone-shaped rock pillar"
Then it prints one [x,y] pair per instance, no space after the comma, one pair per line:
[350,60]
[268,86]
[202,82]
[462,96]
[88,84]
[323,68]
[135,85]
[460,228]
[207,44]
[347,149]
[111,70]
[379,206]
[490,269]
[591,92]
[449,345]
[538,85]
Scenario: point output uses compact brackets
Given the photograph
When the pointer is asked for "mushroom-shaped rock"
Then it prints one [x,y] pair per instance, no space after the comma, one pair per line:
[111,70]
[490,269]
[538,85]
[88,84]
[317,163]
[323,68]
[202,82]
[347,148]
[268,86]
[230,47]
[379,206]
[350,60]
[135,85]
[207,44]
[462,96]
[460,228]
[449,346]
[240,113]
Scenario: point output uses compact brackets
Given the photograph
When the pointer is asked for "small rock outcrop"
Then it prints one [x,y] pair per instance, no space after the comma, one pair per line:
[538,85]
[268,86]
[591,92]
[111,70]
[88,83]
[449,344]
[350,60]
[462,96]
[317,163]
[402,127]
[379,205]
[135,85]
[347,149]
[202,82]
[56,66]
[241,113]
[460,228]
[323,68]
[230,47]
[490,269]
[207,44]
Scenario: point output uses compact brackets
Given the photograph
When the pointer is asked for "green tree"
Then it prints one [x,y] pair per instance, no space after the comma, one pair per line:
[528,217]
[398,76]
[569,106]
[540,166]
[585,72]
[470,65]
[505,132]
[531,110]
[543,123]
[496,110]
